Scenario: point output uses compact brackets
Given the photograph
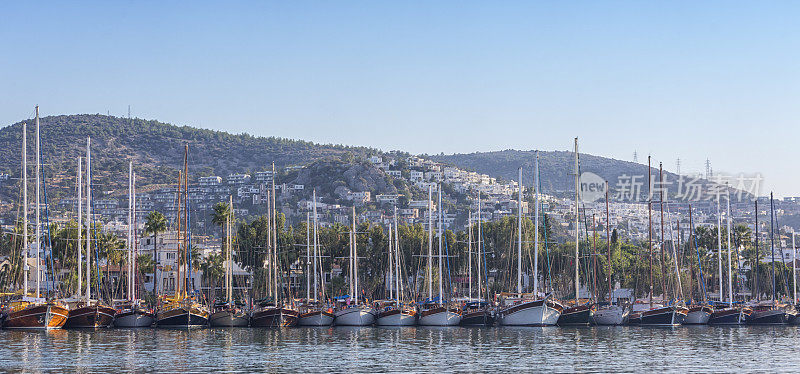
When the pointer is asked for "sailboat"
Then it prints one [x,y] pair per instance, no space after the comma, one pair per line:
[88,312]
[353,311]
[183,310]
[436,311]
[273,311]
[228,314]
[699,312]
[314,312]
[133,312]
[579,313]
[475,312]
[394,311]
[655,314]
[727,314]
[770,312]
[32,312]
[609,313]
[520,309]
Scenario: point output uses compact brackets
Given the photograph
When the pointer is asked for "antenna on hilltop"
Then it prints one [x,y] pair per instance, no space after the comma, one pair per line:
[709,172]
[635,157]
[129,111]
[678,166]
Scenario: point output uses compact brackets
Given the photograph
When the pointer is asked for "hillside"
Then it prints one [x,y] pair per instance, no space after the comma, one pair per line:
[556,168]
[156,149]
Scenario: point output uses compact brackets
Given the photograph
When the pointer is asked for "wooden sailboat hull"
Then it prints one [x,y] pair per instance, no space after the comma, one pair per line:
[37,317]
[776,316]
[396,317]
[669,316]
[315,318]
[610,315]
[477,318]
[134,318]
[274,317]
[579,315]
[729,316]
[90,317]
[355,316]
[229,318]
[439,316]
[182,318]
[698,315]
[542,312]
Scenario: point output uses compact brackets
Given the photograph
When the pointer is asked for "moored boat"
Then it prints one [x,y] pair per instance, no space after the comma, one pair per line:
[134,315]
[271,316]
[670,316]
[698,314]
[577,315]
[476,313]
[527,311]
[433,314]
[229,316]
[771,313]
[185,313]
[736,315]
[36,315]
[315,316]
[91,314]
[610,315]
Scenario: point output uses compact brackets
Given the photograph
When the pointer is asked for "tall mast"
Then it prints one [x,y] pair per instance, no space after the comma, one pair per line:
[794,270]
[519,232]
[351,272]
[650,226]
[594,258]
[730,269]
[577,224]
[130,230]
[80,229]
[229,257]
[441,213]
[756,254]
[274,237]
[268,257]
[719,246]
[536,225]
[179,237]
[608,245]
[314,210]
[469,253]
[308,256]
[398,273]
[38,206]
[89,218]
[25,209]
[355,256]
[480,247]
[772,241]
[390,264]
[135,241]
[663,238]
[430,242]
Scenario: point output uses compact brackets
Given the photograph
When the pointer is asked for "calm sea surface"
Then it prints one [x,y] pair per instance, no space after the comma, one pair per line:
[339,349]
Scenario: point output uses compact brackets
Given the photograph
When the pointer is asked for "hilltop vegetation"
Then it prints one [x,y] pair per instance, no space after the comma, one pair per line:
[156,149]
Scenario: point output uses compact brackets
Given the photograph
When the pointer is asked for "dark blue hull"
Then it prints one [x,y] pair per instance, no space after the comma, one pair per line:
[727,317]
[477,319]
[577,316]
[667,316]
[768,317]
[183,321]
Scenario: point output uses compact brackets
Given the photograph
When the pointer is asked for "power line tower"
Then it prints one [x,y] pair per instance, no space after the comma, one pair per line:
[678,166]
[709,171]
[635,157]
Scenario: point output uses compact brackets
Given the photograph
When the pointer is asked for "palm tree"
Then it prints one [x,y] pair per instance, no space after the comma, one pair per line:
[219,217]
[212,268]
[154,224]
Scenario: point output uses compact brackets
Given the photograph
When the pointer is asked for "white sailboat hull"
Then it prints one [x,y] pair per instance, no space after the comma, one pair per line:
[440,318]
[317,319]
[610,315]
[355,316]
[538,313]
[398,319]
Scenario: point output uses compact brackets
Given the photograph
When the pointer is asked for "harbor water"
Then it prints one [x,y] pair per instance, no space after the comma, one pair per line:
[413,349]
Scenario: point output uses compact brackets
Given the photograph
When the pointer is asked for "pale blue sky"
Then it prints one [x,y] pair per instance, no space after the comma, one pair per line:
[674,79]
